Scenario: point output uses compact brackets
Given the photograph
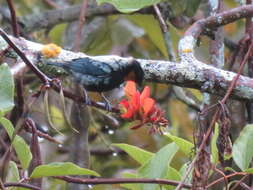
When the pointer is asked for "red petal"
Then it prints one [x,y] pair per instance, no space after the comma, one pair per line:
[130,89]
[135,102]
[145,94]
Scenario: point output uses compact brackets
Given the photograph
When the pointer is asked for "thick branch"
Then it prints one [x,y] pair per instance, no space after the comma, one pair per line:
[51,18]
[188,73]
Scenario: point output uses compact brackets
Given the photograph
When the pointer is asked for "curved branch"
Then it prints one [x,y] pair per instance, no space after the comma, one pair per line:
[188,42]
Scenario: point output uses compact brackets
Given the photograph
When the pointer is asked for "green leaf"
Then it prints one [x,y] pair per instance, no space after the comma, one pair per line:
[56,33]
[127,6]
[184,145]
[157,166]
[123,31]
[6,89]
[243,148]
[13,174]
[22,149]
[214,149]
[60,169]
[151,26]
[172,174]
[138,154]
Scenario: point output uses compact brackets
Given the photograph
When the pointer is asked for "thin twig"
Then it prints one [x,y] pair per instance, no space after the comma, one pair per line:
[166,34]
[99,181]
[239,182]
[42,135]
[78,34]
[19,82]
[25,185]
[222,178]
[35,149]
[163,24]
[14,22]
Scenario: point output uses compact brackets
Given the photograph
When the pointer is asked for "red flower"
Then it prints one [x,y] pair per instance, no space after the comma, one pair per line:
[141,107]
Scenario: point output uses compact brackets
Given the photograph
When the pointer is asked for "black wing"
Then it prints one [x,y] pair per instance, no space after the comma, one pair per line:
[87,66]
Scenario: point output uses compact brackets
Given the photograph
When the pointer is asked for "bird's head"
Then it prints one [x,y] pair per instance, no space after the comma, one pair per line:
[136,73]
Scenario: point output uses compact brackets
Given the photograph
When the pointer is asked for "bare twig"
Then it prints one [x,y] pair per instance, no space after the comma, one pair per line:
[18,110]
[239,182]
[15,26]
[35,149]
[80,26]
[222,178]
[161,20]
[25,185]
[98,181]
[42,135]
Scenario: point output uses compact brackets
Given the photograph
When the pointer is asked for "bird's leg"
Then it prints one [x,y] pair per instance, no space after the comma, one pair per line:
[108,105]
[87,100]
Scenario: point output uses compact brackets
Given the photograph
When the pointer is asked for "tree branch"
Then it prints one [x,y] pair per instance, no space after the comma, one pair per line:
[190,73]
[188,42]
[51,18]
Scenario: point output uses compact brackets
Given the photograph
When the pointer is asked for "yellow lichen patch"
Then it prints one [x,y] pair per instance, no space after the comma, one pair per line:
[186,50]
[50,50]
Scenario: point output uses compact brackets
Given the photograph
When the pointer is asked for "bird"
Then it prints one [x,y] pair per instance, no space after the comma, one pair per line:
[99,76]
